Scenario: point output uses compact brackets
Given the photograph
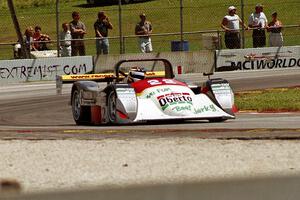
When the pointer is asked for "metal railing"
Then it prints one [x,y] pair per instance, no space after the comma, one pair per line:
[167,38]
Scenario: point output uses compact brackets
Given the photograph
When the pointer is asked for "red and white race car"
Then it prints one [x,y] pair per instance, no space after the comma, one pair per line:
[135,94]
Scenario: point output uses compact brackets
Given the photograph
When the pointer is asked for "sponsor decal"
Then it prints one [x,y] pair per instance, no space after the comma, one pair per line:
[266,64]
[91,76]
[221,88]
[268,58]
[174,99]
[182,108]
[157,91]
[206,108]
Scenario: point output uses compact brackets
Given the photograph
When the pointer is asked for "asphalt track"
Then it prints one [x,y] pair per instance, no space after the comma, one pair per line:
[34,111]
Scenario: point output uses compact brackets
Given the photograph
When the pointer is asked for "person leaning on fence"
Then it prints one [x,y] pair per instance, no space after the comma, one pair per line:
[78,30]
[258,21]
[28,39]
[144,29]
[231,24]
[40,39]
[65,40]
[275,28]
[101,27]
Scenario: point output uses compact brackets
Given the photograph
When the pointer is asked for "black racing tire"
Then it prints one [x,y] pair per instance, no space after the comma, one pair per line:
[81,114]
[217,120]
[112,107]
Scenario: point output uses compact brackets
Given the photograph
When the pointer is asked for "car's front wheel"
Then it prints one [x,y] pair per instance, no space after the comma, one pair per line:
[81,114]
[112,106]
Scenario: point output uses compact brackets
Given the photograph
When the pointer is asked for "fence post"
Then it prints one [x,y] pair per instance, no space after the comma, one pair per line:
[219,40]
[181,25]
[243,29]
[120,27]
[123,41]
[57,29]
[17,28]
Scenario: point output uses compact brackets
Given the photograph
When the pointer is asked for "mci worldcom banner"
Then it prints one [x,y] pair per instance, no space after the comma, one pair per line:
[269,58]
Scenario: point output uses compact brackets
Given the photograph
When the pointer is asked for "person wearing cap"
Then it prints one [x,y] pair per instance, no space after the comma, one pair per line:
[78,30]
[101,27]
[144,29]
[231,24]
[275,28]
[258,21]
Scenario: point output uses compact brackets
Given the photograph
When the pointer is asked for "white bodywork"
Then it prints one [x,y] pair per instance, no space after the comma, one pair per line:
[175,102]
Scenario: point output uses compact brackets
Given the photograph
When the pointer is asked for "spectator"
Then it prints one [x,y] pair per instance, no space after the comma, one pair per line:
[65,40]
[231,24]
[28,39]
[144,29]
[101,27]
[17,50]
[258,21]
[275,27]
[78,30]
[38,36]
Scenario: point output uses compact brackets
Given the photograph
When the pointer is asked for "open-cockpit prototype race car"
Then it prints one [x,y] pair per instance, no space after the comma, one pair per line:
[134,94]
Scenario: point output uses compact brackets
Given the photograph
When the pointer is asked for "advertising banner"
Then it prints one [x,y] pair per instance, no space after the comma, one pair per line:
[269,58]
[41,69]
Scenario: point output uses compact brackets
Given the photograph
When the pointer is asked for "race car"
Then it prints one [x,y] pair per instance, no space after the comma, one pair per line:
[137,93]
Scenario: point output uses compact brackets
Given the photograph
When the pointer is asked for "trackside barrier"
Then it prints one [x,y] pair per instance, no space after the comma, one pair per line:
[270,188]
[43,69]
[190,62]
[269,58]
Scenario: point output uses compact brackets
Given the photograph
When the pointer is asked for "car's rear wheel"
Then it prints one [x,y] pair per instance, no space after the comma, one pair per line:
[112,106]
[81,114]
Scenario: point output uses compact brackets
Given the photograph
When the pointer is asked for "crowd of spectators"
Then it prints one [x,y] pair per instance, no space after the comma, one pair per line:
[258,23]
[72,34]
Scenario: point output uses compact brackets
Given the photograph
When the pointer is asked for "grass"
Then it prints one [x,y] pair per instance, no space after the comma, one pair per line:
[164,14]
[270,100]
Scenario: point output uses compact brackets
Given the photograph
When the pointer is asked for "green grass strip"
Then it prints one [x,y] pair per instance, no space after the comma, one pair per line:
[270,100]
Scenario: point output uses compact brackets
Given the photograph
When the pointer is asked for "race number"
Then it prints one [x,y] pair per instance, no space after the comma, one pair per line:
[161,82]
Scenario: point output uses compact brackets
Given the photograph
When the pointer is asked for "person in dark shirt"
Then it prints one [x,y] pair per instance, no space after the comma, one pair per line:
[78,30]
[101,27]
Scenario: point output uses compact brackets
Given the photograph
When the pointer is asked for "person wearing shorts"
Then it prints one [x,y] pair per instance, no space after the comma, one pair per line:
[144,29]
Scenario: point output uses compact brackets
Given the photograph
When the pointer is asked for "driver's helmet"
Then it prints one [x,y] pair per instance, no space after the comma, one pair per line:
[135,74]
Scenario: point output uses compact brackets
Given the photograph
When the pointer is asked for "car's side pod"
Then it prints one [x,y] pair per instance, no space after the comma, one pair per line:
[124,106]
[220,92]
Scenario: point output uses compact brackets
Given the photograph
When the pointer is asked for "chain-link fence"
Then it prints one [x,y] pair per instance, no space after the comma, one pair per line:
[195,22]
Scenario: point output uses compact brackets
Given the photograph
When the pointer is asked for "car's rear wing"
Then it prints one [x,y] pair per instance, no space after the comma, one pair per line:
[103,77]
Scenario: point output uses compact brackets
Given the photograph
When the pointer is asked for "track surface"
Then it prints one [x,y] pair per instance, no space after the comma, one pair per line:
[34,111]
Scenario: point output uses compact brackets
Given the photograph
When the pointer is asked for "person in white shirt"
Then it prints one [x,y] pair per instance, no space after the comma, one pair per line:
[231,24]
[144,30]
[65,40]
[258,21]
